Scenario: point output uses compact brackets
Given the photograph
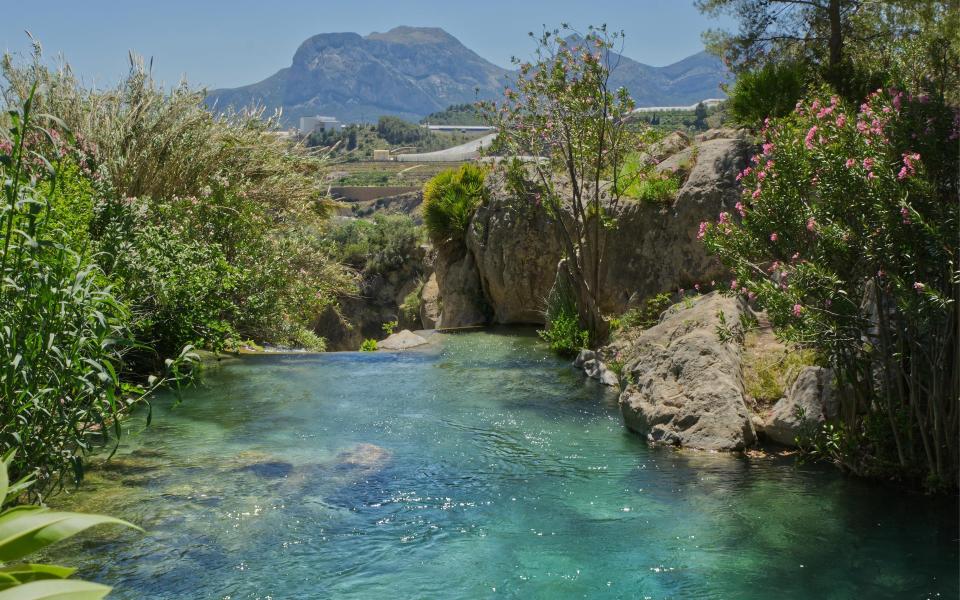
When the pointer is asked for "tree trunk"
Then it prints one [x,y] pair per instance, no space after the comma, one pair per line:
[836,36]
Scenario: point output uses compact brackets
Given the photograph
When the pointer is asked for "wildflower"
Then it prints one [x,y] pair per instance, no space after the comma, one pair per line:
[774,237]
[797,310]
[811,224]
[808,141]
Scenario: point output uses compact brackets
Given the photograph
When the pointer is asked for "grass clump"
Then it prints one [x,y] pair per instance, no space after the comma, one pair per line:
[368,345]
[639,181]
[449,201]
[563,331]
[768,375]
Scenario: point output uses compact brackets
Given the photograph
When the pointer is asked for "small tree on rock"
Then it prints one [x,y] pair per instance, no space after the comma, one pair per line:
[564,112]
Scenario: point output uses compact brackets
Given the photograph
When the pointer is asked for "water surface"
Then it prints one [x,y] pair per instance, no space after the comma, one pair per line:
[482,467]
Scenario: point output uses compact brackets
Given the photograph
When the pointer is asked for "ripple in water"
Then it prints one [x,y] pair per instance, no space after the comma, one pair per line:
[482,468]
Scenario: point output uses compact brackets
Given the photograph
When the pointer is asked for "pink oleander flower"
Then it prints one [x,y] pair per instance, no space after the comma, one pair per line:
[724,218]
[811,224]
[808,140]
[797,310]
[751,296]
[768,148]
[696,286]
[850,162]
[703,230]
[919,286]
[795,257]
[755,194]
[733,284]
[903,174]
[740,209]
[868,163]
[905,215]
[841,120]
[774,237]
[871,175]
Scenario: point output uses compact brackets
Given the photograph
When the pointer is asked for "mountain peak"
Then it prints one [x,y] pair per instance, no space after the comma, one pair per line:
[405,34]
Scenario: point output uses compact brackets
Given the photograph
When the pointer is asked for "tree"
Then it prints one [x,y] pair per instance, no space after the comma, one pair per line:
[856,45]
[564,110]
[700,116]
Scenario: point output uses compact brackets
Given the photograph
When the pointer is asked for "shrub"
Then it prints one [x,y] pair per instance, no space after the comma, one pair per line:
[563,331]
[368,345]
[205,224]
[449,201]
[386,243]
[63,325]
[410,308]
[649,314]
[771,91]
[847,237]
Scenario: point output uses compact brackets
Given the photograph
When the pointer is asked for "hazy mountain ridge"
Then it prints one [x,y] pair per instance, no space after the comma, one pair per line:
[413,71]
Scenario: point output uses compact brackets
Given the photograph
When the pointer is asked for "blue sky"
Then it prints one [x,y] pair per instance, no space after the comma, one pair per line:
[226,44]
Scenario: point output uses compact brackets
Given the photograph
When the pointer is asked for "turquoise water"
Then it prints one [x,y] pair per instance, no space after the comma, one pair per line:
[482,467]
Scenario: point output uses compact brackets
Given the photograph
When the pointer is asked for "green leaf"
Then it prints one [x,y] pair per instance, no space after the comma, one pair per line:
[26,531]
[27,572]
[66,589]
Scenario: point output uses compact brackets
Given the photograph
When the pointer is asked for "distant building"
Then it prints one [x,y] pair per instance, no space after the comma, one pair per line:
[381,155]
[310,124]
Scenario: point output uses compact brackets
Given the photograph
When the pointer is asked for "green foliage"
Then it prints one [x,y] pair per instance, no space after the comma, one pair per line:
[368,345]
[62,341]
[449,201]
[397,131]
[27,529]
[205,225]
[772,91]
[389,327]
[649,314]
[654,188]
[768,376]
[456,114]
[848,240]
[563,330]
[410,309]
[386,243]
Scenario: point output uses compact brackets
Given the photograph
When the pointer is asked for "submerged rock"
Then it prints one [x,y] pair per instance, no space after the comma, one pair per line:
[809,402]
[268,469]
[401,341]
[363,457]
[684,383]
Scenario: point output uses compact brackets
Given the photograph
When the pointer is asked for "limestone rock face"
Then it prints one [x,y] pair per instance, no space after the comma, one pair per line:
[655,248]
[813,394]
[460,290]
[516,253]
[685,384]
[430,303]
[401,340]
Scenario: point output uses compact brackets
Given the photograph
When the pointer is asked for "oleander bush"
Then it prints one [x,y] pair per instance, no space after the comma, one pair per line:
[847,235]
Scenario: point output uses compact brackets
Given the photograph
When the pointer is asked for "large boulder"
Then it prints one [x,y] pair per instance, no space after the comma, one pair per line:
[402,340]
[809,401]
[654,247]
[461,294]
[684,382]
[516,252]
